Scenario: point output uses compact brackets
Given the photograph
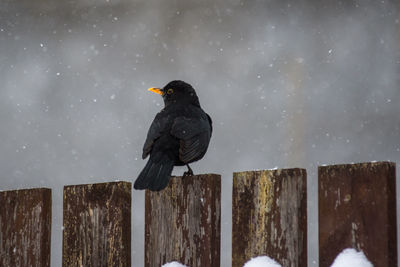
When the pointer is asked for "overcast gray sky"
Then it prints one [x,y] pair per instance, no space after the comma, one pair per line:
[287,83]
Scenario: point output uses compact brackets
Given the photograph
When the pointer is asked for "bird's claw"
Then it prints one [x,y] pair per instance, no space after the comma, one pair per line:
[189,172]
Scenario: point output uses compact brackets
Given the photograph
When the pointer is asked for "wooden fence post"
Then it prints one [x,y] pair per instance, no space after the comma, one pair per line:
[269,216]
[97,225]
[357,208]
[25,227]
[183,222]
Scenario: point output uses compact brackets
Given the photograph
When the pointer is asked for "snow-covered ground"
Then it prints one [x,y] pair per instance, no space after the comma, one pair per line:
[262,261]
[174,264]
[347,258]
[351,258]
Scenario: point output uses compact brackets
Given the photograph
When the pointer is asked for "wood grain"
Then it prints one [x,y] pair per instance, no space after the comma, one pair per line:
[357,209]
[25,227]
[97,225]
[183,222]
[269,216]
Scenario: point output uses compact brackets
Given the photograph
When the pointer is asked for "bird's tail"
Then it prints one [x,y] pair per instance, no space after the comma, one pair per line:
[155,175]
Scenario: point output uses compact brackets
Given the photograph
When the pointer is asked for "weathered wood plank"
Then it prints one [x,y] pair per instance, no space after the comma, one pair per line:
[269,216]
[357,208]
[183,222]
[25,227]
[97,225]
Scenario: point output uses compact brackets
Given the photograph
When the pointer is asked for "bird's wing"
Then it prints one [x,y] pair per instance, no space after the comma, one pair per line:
[194,135]
[157,127]
[185,128]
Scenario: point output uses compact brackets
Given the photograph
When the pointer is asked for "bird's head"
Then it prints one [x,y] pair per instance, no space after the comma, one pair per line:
[177,92]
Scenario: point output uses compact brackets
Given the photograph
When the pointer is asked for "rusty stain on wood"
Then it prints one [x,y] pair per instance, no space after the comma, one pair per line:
[25,227]
[97,225]
[183,222]
[269,216]
[357,208]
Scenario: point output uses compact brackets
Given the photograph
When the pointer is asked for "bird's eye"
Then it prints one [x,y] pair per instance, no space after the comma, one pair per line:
[170,91]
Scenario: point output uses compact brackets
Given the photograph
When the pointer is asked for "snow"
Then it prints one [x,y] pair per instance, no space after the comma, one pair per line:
[174,264]
[347,258]
[262,261]
[351,258]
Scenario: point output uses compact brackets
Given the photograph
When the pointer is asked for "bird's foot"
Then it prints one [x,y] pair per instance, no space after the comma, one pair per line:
[189,172]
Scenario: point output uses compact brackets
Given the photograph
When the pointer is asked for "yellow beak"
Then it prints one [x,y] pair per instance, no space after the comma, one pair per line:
[156,90]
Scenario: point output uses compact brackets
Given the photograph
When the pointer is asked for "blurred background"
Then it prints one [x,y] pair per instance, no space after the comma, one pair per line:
[287,83]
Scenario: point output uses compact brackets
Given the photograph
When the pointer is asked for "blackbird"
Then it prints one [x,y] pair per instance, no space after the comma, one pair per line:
[180,134]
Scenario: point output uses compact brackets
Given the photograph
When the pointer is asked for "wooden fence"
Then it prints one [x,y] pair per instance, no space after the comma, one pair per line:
[357,208]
